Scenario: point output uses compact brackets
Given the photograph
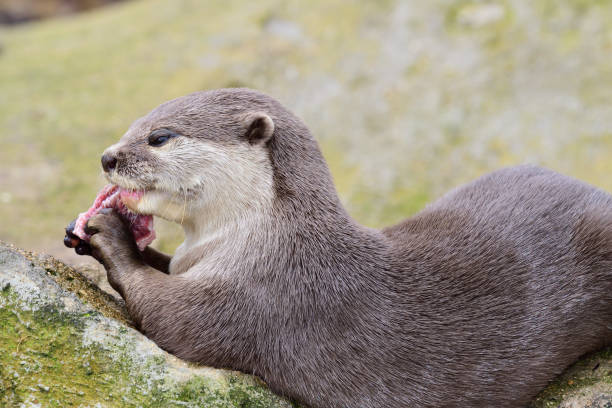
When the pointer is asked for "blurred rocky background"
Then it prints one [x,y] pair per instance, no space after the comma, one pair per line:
[407,98]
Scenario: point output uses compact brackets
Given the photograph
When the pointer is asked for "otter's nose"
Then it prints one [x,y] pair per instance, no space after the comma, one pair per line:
[109,162]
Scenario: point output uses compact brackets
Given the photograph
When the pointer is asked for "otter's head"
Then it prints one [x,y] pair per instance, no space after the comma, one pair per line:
[202,153]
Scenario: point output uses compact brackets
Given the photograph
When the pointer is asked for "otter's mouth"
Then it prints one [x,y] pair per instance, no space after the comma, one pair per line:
[126,203]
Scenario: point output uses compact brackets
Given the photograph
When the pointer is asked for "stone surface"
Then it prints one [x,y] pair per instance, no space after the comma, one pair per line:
[587,384]
[66,343]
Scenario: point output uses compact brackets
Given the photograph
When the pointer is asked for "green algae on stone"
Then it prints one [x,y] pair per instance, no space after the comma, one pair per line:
[45,362]
[59,351]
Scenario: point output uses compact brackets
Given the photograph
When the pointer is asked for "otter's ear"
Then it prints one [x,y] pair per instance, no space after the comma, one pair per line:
[258,126]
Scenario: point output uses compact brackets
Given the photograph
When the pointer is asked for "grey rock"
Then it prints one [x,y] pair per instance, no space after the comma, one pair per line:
[66,343]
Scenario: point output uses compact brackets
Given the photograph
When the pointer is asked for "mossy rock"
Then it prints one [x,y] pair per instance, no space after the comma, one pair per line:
[587,384]
[65,343]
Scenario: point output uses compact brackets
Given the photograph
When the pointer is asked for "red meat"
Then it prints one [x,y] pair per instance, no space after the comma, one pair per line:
[111,197]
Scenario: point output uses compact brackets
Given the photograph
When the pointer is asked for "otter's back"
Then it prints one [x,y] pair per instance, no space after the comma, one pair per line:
[514,273]
[538,212]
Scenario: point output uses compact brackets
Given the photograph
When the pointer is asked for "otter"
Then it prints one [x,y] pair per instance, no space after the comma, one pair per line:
[478,300]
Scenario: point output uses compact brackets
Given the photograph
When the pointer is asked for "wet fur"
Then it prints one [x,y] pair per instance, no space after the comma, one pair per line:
[477,301]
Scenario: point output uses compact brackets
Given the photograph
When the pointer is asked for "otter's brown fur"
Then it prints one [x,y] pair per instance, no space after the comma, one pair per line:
[477,301]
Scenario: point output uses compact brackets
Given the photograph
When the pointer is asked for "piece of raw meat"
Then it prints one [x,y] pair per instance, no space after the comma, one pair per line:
[110,197]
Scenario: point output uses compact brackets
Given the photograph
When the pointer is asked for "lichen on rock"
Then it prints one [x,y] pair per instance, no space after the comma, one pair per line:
[66,343]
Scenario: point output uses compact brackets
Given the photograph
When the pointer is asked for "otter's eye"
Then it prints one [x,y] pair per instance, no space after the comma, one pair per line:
[159,137]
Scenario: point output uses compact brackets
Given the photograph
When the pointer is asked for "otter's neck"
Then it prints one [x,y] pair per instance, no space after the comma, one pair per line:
[284,237]
[217,240]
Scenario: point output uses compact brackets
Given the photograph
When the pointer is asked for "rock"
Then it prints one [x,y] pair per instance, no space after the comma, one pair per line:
[64,342]
[587,384]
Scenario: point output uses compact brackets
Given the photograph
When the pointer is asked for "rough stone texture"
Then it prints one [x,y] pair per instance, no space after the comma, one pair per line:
[587,384]
[66,343]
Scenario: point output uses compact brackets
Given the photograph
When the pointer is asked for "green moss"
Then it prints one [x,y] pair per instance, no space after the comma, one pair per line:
[198,391]
[44,361]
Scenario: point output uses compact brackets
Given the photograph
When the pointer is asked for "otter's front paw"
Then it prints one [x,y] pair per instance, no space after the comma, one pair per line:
[111,241]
